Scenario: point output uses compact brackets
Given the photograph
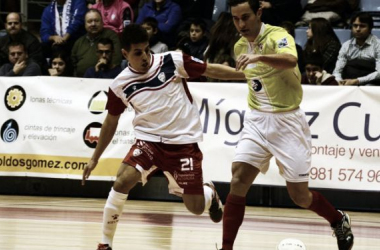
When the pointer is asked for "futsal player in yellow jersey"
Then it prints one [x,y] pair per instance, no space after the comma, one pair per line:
[275,126]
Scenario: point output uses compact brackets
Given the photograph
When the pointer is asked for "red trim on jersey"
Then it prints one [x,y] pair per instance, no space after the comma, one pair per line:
[193,66]
[115,105]
[186,87]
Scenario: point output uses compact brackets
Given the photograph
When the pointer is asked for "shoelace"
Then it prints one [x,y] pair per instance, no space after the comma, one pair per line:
[338,232]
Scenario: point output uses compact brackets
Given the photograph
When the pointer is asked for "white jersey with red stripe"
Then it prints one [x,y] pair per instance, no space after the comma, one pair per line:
[164,109]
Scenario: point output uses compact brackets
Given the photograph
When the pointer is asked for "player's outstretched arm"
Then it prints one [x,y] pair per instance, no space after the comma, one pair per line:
[223,72]
[106,134]
[278,61]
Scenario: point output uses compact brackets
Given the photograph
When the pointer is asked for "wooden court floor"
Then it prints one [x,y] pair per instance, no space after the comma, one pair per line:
[75,223]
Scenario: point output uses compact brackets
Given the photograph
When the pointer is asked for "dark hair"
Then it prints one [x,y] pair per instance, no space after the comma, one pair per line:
[290,27]
[105,41]
[58,52]
[222,39]
[133,34]
[151,21]
[17,43]
[314,58]
[199,22]
[364,17]
[254,4]
[323,33]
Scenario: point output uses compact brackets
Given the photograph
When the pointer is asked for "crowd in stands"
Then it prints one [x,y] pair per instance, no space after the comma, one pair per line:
[81,38]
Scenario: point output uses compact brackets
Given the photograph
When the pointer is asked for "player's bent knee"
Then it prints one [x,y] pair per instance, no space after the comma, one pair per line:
[195,204]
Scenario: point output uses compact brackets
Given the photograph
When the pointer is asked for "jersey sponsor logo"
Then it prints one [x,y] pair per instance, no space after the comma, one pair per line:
[137,152]
[256,85]
[282,43]
[162,77]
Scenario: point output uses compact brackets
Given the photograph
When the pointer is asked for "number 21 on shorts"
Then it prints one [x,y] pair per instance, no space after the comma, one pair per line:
[187,164]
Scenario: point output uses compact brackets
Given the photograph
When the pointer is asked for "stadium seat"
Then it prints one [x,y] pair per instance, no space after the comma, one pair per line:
[376,32]
[370,5]
[219,7]
[301,36]
[343,34]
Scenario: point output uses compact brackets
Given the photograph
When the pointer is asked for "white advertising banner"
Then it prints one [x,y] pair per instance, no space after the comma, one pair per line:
[50,126]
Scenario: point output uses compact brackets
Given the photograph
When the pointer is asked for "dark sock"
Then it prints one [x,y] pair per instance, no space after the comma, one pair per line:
[323,208]
[233,216]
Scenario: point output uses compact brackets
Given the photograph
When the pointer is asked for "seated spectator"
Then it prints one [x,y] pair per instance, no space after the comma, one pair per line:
[359,58]
[84,53]
[15,33]
[19,62]
[116,14]
[151,26]
[195,42]
[322,39]
[277,11]
[290,28]
[60,64]
[104,68]
[222,40]
[62,23]
[314,73]
[168,15]
[331,10]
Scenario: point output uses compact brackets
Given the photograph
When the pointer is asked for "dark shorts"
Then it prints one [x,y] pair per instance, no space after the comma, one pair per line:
[181,164]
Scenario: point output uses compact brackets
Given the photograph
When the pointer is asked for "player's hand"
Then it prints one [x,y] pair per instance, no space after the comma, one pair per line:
[87,170]
[243,60]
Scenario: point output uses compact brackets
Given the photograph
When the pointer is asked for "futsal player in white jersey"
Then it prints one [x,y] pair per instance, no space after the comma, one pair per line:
[167,127]
[275,125]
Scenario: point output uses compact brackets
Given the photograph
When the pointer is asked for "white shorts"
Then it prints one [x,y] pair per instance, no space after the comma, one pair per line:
[285,135]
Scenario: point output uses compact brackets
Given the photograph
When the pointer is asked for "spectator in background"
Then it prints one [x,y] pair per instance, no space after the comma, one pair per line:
[104,67]
[60,63]
[222,40]
[62,24]
[359,58]
[168,15]
[314,73]
[19,62]
[116,14]
[151,26]
[290,28]
[15,33]
[277,11]
[331,10]
[196,41]
[84,53]
[322,38]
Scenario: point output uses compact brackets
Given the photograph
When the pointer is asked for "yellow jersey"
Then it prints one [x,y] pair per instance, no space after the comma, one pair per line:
[270,89]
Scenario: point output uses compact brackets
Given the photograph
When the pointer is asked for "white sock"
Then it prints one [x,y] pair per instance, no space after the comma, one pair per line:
[208,193]
[111,215]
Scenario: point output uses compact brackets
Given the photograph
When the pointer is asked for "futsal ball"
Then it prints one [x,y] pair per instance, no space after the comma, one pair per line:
[291,244]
